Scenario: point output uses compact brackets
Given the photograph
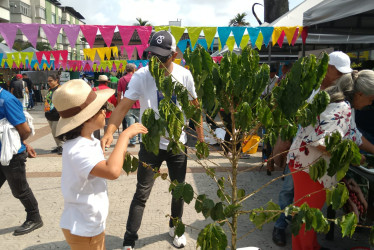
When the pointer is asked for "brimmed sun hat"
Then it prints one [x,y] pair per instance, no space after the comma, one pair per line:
[76,102]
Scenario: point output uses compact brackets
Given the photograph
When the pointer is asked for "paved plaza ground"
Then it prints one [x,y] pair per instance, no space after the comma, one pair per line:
[44,178]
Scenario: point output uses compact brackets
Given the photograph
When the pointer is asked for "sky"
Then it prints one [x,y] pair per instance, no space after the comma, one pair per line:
[198,13]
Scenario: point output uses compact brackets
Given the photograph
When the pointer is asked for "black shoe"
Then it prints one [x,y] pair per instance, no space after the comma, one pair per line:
[59,151]
[27,227]
[55,150]
[279,237]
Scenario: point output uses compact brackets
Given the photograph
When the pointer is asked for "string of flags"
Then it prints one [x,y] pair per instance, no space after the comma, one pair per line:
[257,35]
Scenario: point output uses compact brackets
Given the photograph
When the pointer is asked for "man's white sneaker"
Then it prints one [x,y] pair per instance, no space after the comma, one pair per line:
[178,242]
[127,248]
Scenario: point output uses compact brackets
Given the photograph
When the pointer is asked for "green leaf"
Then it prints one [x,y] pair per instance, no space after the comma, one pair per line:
[202,150]
[134,163]
[173,185]
[231,209]
[208,204]
[127,164]
[240,193]
[178,191]
[217,212]
[199,203]
[188,193]
[212,237]
[318,169]
[179,228]
[348,224]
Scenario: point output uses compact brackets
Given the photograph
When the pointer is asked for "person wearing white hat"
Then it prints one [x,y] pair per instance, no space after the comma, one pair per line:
[84,168]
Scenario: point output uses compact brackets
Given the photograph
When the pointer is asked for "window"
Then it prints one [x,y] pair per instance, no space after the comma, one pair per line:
[18,7]
[41,12]
[53,18]
[59,20]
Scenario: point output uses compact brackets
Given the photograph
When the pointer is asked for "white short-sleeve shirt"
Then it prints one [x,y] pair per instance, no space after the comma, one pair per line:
[143,87]
[86,201]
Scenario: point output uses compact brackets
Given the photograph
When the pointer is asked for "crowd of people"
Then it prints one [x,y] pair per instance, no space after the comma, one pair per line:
[76,111]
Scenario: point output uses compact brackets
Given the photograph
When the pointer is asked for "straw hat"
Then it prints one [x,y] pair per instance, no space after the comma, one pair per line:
[76,102]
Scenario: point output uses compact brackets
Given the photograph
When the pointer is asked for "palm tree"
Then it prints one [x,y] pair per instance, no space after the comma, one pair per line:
[239,20]
[142,22]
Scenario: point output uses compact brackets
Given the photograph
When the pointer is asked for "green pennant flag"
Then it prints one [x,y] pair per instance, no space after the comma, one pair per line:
[117,63]
[159,28]
[244,41]
[209,33]
[110,65]
[177,32]
[230,43]
[194,33]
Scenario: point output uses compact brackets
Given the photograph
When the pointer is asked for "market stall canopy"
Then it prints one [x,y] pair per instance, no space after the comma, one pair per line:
[5,49]
[344,17]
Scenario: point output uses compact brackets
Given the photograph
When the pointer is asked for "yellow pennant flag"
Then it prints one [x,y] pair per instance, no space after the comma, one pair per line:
[110,65]
[29,55]
[117,63]
[289,31]
[85,53]
[124,62]
[259,41]
[159,28]
[44,66]
[209,33]
[2,63]
[9,60]
[230,43]
[300,31]
[244,41]
[108,53]
[276,34]
[114,51]
[194,33]
[178,61]
[101,52]
[177,32]
[94,67]
[36,66]
[90,53]
[17,59]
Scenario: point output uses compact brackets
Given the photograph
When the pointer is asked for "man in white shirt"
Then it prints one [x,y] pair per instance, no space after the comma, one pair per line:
[273,81]
[142,87]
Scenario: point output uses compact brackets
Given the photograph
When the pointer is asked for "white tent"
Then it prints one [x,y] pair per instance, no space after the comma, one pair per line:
[5,49]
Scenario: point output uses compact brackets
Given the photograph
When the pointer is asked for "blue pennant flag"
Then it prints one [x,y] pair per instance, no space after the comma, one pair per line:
[266,33]
[238,33]
[202,42]
[253,34]
[182,45]
[223,33]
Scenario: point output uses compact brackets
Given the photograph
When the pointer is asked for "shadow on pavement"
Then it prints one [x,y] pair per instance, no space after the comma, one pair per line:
[7,230]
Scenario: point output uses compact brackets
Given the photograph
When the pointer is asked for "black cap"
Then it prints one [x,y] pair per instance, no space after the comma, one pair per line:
[162,43]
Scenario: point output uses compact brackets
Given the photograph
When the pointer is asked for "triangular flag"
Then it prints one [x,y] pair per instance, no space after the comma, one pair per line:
[159,28]
[202,42]
[238,33]
[117,63]
[33,63]
[209,33]
[223,33]
[290,32]
[114,51]
[140,49]
[253,34]
[110,65]
[31,31]
[51,31]
[178,61]
[47,55]
[64,55]
[295,35]
[276,34]
[124,63]
[267,32]
[9,32]
[39,56]
[108,53]
[144,62]
[16,58]
[259,41]
[126,33]
[72,32]
[29,55]
[101,52]
[300,31]
[144,33]
[304,34]
[194,33]
[89,32]
[244,41]
[177,32]
[129,50]
[182,45]
[107,32]
[230,43]
[9,60]
[281,39]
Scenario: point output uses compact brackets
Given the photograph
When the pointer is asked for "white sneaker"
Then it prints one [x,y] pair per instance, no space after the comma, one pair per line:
[178,242]
[127,248]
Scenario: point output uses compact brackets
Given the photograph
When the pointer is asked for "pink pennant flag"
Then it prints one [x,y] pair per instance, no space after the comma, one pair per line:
[126,33]
[31,31]
[217,59]
[281,39]
[63,64]
[47,56]
[8,32]
[107,32]
[304,34]
[39,56]
[72,32]
[89,32]
[295,36]
[51,31]
[144,33]
[56,56]
[140,49]
[64,55]
[129,50]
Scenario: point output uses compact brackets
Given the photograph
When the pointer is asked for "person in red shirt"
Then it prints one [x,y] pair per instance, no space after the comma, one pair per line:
[103,84]
[133,115]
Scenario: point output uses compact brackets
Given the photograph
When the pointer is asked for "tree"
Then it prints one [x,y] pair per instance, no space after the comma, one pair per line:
[274,9]
[236,85]
[142,22]
[239,20]
[20,45]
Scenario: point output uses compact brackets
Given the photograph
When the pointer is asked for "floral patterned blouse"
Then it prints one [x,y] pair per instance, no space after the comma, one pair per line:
[303,152]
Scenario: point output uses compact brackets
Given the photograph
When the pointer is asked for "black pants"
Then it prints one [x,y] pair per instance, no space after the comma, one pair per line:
[177,164]
[15,174]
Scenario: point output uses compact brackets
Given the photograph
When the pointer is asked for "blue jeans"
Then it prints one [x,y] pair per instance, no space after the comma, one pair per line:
[31,101]
[285,198]
[177,166]
[131,117]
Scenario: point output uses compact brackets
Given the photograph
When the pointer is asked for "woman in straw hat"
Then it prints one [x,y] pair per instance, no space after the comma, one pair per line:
[84,168]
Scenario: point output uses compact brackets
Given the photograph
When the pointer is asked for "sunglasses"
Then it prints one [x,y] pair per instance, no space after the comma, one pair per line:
[162,59]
